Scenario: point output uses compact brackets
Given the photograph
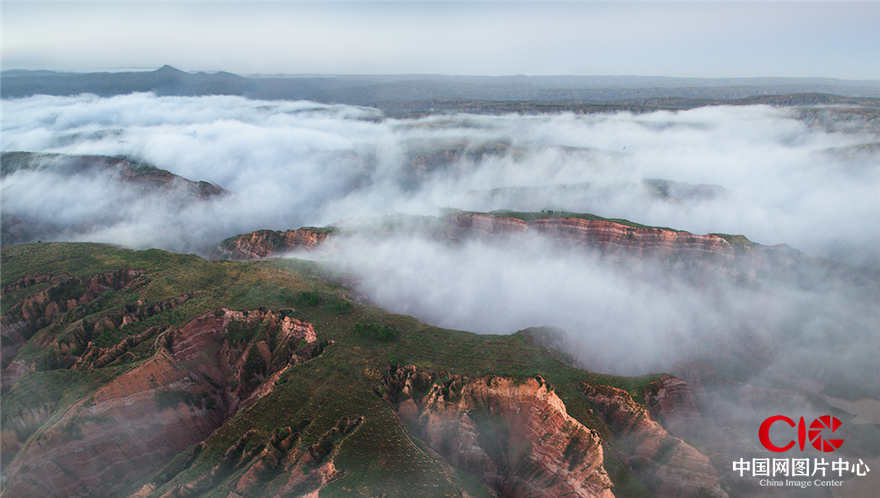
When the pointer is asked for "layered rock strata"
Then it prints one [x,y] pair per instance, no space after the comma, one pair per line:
[514,433]
[666,464]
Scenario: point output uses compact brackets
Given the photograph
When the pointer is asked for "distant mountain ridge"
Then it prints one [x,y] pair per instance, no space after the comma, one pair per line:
[400,93]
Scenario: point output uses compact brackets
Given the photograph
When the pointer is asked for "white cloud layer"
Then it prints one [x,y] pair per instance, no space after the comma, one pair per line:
[625,316]
[298,163]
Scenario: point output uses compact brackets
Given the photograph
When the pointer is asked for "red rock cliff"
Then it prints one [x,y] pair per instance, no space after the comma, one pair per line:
[605,235]
[608,236]
[266,243]
[668,465]
[515,434]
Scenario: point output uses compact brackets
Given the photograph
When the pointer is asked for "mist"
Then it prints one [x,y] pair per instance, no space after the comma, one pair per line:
[623,314]
[752,170]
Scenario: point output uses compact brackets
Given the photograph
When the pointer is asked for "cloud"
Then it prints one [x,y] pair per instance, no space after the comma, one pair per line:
[623,314]
[300,163]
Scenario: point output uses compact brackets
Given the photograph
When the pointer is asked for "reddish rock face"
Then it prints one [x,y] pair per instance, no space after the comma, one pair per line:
[46,306]
[515,434]
[604,235]
[671,402]
[280,464]
[198,376]
[477,224]
[610,236]
[668,465]
[28,281]
[74,347]
[265,243]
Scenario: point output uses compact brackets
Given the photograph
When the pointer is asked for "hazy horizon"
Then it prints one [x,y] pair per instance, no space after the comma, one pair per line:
[671,77]
[677,40]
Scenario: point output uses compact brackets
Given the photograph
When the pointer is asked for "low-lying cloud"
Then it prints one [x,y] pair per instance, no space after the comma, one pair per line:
[622,314]
[300,163]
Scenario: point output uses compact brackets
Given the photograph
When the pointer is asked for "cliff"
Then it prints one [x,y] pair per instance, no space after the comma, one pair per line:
[515,434]
[266,243]
[667,464]
[610,236]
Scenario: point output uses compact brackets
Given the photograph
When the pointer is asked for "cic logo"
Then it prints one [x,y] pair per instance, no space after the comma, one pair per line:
[819,433]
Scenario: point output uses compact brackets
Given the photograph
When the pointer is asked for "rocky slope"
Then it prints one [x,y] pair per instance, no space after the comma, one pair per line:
[672,403]
[669,466]
[199,375]
[265,243]
[149,378]
[279,467]
[44,307]
[515,434]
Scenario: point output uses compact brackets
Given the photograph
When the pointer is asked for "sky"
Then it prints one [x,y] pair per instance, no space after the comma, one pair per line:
[706,39]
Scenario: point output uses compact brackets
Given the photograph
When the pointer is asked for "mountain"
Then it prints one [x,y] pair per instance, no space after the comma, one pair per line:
[415,94]
[163,81]
[178,376]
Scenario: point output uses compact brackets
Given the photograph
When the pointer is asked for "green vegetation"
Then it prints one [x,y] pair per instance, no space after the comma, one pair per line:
[275,238]
[240,332]
[739,242]
[171,398]
[178,464]
[254,365]
[329,229]
[309,298]
[376,331]
[548,213]
[316,394]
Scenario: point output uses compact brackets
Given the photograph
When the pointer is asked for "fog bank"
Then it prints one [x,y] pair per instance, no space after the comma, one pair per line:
[757,170]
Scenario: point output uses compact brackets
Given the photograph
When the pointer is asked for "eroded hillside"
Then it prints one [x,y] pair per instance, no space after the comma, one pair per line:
[184,377]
